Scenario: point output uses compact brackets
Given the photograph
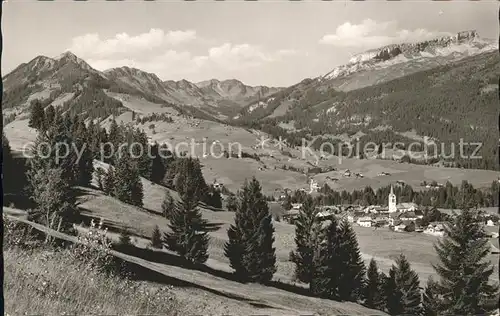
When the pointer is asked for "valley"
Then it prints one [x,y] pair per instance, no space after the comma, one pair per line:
[444,89]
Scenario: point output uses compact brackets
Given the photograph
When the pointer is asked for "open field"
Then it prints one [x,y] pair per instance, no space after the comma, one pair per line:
[212,292]
[188,133]
[382,244]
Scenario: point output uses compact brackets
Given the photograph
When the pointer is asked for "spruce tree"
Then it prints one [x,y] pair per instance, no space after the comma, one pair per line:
[215,199]
[8,175]
[373,289]
[142,157]
[306,231]
[157,165]
[57,151]
[463,269]
[128,185]
[55,200]
[326,263]
[124,239]
[430,300]
[84,165]
[189,177]
[167,205]
[250,247]
[156,241]
[109,181]
[232,203]
[287,203]
[189,237]
[402,289]
[37,115]
[50,114]
[115,136]
[352,274]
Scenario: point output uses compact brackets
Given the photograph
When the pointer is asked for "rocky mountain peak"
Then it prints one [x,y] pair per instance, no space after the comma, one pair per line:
[68,56]
[463,43]
[126,71]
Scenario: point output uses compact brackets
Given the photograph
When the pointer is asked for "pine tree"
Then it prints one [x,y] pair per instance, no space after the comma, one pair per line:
[402,289]
[37,115]
[109,181]
[8,176]
[128,184]
[430,300]
[189,177]
[158,167]
[463,287]
[352,274]
[373,289]
[232,203]
[326,263]
[84,165]
[124,239]
[50,114]
[250,246]
[167,205]
[57,151]
[306,231]
[156,238]
[142,157]
[215,198]
[116,139]
[287,203]
[55,201]
[189,237]
[100,174]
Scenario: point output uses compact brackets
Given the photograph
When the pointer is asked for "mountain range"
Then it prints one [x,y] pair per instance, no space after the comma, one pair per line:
[381,65]
[443,88]
[44,76]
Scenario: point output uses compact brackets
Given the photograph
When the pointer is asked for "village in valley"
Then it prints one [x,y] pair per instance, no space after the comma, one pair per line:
[398,217]
[352,171]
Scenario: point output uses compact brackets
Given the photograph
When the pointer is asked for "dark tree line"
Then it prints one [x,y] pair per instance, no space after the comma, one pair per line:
[448,196]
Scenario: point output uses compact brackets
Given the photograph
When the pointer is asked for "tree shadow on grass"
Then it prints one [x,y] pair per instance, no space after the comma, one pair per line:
[140,273]
[163,257]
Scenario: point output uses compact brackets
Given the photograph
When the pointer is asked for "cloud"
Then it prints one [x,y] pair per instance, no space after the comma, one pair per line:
[372,34]
[243,56]
[92,46]
[225,59]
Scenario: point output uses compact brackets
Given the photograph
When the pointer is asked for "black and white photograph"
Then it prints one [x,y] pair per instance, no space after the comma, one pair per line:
[250,157]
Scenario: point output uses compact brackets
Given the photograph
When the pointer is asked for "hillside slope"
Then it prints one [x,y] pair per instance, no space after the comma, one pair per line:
[448,102]
[70,82]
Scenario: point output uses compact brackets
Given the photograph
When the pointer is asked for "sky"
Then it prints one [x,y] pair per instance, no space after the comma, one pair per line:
[273,43]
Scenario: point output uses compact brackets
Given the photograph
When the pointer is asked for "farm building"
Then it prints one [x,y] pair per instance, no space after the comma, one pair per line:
[365,221]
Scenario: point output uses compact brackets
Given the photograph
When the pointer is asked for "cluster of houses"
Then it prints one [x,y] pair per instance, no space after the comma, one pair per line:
[395,216]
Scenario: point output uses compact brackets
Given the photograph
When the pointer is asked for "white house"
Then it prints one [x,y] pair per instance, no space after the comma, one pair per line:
[407,207]
[490,223]
[313,186]
[435,229]
[365,221]
[217,185]
[324,214]
[408,216]
[400,228]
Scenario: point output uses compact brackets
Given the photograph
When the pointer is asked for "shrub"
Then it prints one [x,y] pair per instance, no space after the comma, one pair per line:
[94,248]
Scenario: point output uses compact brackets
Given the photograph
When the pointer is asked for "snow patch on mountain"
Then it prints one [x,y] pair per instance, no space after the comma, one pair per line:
[461,45]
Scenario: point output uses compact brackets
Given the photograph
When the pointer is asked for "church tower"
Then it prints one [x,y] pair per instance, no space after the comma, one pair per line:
[392,201]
